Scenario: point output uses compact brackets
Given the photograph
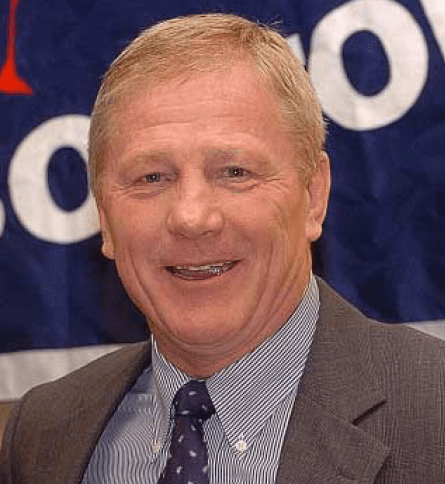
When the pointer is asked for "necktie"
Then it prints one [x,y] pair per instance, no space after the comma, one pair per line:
[187,463]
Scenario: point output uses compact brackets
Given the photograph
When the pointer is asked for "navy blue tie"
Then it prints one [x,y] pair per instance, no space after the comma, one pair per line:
[187,463]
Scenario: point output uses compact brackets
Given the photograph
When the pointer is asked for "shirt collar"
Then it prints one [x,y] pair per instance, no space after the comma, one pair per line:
[246,393]
[168,379]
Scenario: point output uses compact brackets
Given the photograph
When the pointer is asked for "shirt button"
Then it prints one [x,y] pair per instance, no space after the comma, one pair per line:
[155,446]
[241,446]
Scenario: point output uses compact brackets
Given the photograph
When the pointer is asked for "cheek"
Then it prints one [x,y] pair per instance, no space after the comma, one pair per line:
[264,227]
[288,238]
[282,216]
[132,223]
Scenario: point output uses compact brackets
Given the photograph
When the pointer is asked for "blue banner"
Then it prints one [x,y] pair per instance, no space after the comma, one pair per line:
[378,67]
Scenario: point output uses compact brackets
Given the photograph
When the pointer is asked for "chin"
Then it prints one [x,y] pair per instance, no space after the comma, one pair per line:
[204,331]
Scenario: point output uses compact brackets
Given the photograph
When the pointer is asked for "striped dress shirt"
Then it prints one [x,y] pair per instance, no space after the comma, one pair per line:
[253,399]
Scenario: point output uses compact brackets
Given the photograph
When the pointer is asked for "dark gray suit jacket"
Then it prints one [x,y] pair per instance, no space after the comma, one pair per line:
[371,409]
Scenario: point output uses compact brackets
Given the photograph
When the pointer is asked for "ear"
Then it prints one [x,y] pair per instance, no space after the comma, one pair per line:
[318,190]
[107,239]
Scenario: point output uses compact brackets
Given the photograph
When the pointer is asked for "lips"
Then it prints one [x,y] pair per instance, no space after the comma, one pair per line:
[197,273]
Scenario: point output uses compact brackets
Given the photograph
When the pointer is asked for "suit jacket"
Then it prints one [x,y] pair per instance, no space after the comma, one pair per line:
[370,409]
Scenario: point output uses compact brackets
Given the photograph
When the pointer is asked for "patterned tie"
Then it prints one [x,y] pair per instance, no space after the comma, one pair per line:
[187,463]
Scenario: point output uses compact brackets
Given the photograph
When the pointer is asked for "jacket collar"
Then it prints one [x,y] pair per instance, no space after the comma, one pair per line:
[323,443]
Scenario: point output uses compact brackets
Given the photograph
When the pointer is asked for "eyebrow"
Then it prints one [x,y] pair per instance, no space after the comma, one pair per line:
[222,154]
[237,155]
[150,156]
[144,158]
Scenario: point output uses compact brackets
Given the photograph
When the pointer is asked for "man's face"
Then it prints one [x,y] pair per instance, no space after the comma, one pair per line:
[206,215]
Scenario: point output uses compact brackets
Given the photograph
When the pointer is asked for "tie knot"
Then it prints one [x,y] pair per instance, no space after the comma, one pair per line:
[193,400]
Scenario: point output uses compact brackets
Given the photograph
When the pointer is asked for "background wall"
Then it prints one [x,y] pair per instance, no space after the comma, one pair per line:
[378,67]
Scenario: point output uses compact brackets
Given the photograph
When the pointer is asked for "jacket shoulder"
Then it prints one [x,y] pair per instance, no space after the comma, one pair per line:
[106,375]
[54,427]
[396,341]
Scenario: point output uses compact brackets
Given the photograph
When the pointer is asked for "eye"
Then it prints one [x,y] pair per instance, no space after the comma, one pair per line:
[236,172]
[152,177]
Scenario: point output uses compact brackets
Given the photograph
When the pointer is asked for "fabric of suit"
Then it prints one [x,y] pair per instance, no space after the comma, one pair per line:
[370,409]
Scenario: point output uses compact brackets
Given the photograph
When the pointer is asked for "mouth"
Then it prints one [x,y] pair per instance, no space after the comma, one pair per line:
[198,273]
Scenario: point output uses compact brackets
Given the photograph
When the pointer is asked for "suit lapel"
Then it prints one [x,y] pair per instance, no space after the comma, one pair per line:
[321,448]
[323,443]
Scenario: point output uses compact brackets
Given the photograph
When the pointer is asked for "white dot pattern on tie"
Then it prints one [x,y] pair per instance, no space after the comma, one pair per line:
[187,462]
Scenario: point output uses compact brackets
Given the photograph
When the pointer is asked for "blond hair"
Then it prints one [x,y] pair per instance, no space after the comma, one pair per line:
[183,46]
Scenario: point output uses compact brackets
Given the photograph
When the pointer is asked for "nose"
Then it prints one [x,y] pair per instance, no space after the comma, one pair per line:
[195,212]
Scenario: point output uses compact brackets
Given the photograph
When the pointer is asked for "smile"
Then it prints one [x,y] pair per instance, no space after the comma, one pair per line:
[196,273]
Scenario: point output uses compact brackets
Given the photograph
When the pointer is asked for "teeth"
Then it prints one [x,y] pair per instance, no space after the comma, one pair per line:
[201,272]
[213,267]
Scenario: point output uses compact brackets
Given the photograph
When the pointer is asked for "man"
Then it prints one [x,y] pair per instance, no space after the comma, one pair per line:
[207,163]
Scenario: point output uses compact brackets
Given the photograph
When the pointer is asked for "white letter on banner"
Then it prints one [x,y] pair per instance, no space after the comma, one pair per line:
[404,45]
[294,42]
[28,182]
[435,13]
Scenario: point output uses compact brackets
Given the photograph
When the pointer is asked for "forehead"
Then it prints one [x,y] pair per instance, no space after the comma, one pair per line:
[226,107]
[239,84]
